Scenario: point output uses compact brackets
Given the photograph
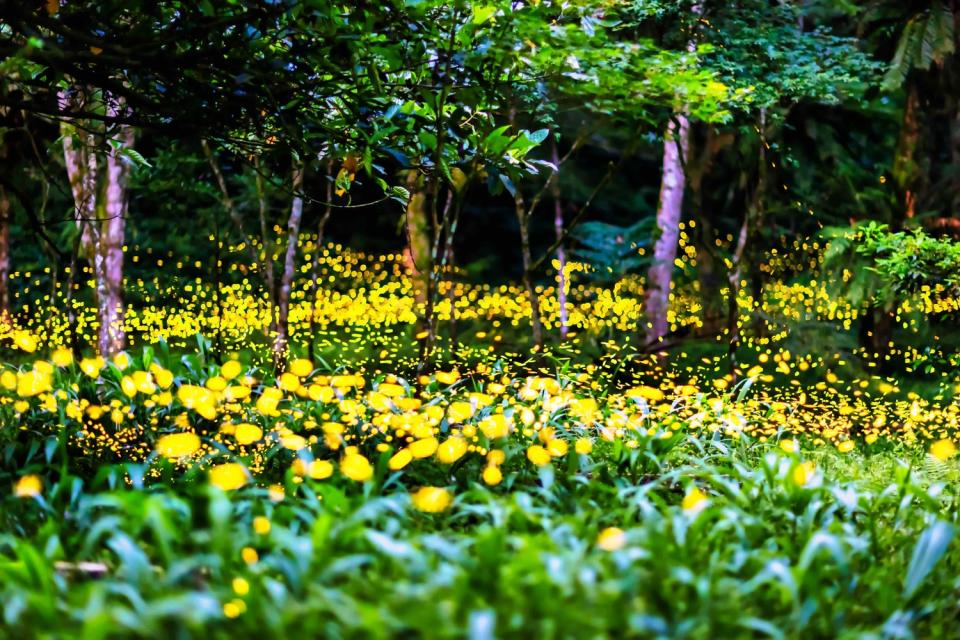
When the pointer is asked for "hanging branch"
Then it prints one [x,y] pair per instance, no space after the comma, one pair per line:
[262,209]
[554,174]
[228,204]
[612,168]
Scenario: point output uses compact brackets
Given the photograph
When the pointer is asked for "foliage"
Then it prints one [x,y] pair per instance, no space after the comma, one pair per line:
[612,250]
[849,267]
[901,263]
[402,463]
[928,38]
[649,494]
[781,538]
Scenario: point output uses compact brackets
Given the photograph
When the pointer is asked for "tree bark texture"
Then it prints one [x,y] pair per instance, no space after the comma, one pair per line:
[418,238]
[669,212]
[98,181]
[523,219]
[906,169]
[111,338]
[282,336]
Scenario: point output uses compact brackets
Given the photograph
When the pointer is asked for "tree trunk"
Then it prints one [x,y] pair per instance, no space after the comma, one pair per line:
[112,339]
[708,271]
[5,318]
[660,275]
[676,143]
[442,239]
[733,305]
[71,286]
[417,255]
[955,150]
[451,220]
[289,269]
[265,267]
[418,260]
[265,242]
[561,251]
[875,335]
[523,219]
[452,297]
[81,162]
[218,289]
[315,263]
[906,170]
[748,228]
[100,210]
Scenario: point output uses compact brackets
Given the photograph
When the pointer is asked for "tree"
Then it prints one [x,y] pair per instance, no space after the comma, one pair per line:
[773,62]
[289,265]
[5,214]
[621,77]
[676,148]
[98,162]
[928,39]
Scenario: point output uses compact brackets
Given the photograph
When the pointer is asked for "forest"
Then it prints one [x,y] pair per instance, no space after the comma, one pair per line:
[479,319]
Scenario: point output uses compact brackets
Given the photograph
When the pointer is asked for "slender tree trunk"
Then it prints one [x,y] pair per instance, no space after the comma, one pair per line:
[71,287]
[875,335]
[81,162]
[451,220]
[676,145]
[52,253]
[315,263]
[748,228]
[265,266]
[523,218]
[876,332]
[452,298]
[883,336]
[5,318]
[708,274]
[218,289]
[417,254]
[289,269]
[265,242]
[561,251]
[955,150]
[669,212]
[733,304]
[111,338]
[906,170]
[442,237]
[100,210]
[447,83]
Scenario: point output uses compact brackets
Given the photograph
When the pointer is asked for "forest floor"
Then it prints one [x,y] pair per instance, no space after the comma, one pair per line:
[184,489]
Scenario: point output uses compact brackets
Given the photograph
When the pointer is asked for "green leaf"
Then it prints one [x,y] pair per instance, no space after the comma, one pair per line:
[930,548]
[136,157]
[400,194]
[483,13]
[538,136]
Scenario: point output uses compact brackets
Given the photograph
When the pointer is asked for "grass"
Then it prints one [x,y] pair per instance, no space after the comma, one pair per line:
[761,555]
[663,529]
[184,490]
